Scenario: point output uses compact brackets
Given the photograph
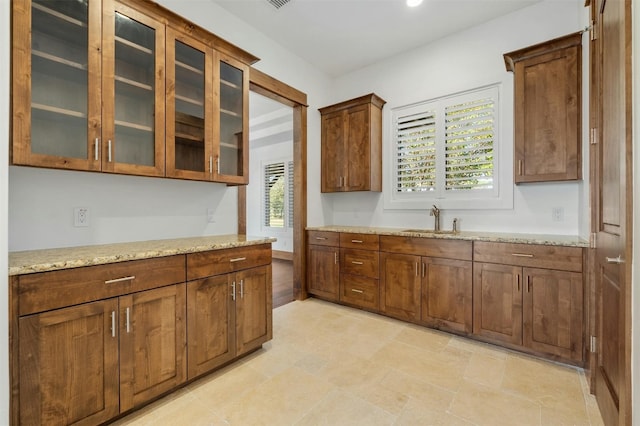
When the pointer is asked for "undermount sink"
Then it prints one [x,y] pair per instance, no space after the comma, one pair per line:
[430,231]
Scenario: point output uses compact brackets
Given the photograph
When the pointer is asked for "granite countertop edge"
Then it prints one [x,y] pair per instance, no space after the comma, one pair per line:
[46,260]
[498,237]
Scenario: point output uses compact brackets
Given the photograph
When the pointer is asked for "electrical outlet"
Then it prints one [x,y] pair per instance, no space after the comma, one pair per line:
[557,214]
[211,213]
[81,217]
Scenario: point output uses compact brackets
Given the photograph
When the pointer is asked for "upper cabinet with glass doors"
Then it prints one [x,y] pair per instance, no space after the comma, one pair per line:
[126,87]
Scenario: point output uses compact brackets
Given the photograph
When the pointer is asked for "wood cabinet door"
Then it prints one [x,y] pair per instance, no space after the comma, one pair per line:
[497,302]
[553,313]
[152,344]
[69,365]
[56,102]
[211,324]
[323,271]
[189,107]
[253,308]
[133,89]
[357,149]
[447,294]
[333,152]
[400,286]
[231,121]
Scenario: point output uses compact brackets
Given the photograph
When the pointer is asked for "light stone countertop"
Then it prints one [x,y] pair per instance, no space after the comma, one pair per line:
[32,261]
[552,240]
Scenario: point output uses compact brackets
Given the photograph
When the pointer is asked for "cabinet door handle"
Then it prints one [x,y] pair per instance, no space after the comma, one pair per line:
[113,323]
[335,258]
[210,165]
[424,269]
[355,262]
[355,290]
[127,321]
[233,291]
[117,280]
[518,279]
[96,146]
[617,260]
[417,274]
[218,165]
[519,167]
[109,151]
[521,255]
[357,241]
[528,284]
[241,289]
[237,259]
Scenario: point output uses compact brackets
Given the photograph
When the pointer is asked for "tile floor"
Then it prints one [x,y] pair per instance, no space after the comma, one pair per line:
[332,365]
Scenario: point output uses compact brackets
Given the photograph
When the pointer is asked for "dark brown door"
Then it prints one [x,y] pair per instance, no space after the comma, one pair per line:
[324,271]
[613,183]
[332,152]
[358,152]
[253,308]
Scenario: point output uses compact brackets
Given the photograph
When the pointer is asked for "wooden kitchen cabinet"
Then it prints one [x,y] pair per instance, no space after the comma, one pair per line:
[153,358]
[88,92]
[547,110]
[323,267]
[427,280]
[359,270]
[532,297]
[229,314]
[351,145]
[99,340]
[69,365]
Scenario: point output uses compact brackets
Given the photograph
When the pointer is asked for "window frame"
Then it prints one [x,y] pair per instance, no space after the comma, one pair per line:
[499,197]
[288,219]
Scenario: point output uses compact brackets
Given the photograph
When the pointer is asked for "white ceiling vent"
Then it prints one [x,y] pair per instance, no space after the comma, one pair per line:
[278,3]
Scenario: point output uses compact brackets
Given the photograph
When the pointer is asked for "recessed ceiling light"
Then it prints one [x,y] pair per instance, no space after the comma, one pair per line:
[413,3]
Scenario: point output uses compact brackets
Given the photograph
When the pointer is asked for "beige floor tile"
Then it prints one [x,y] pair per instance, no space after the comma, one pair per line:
[485,369]
[281,400]
[354,373]
[488,406]
[388,399]
[342,408]
[417,414]
[432,398]
[475,346]
[444,368]
[423,338]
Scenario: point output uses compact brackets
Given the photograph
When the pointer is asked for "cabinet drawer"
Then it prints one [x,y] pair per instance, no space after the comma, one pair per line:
[216,262]
[50,290]
[323,238]
[359,262]
[359,291]
[359,241]
[534,255]
[431,247]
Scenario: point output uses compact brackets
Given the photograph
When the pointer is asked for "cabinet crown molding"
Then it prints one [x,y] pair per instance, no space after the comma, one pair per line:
[511,58]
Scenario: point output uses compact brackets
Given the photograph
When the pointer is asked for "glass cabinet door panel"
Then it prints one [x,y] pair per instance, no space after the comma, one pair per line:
[134,92]
[232,159]
[52,83]
[189,108]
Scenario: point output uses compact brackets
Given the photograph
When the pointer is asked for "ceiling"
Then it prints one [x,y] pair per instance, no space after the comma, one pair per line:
[340,36]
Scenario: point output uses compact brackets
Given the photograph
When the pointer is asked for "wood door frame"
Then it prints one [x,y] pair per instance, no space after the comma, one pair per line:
[595,124]
[272,88]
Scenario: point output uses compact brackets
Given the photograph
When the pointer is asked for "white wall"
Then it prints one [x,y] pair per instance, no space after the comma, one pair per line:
[4,203]
[258,157]
[464,61]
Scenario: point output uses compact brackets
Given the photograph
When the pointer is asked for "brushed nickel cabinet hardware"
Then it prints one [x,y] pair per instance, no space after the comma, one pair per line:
[519,167]
[417,273]
[357,241]
[321,238]
[357,291]
[109,151]
[424,269]
[617,259]
[237,259]
[594,342]
[210,165]
[241,289]
[518,279]
[117,280]
[96,146]
[218,165]
[113,323]
[355,262]
[233,291]
[127,320]
[528,284]
[335,258]
[521,255]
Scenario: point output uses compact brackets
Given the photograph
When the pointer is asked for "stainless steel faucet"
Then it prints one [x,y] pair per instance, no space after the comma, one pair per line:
[435,212]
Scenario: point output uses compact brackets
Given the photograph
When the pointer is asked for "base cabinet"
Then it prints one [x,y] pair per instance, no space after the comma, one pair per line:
[69,365]
[400,286]
[323,265]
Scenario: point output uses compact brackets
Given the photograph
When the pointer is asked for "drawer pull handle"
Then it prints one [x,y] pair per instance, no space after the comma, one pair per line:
[113,323]
[521,255]
[241,289]
[233,291]
[357,291]
[357,241]
[237,259]
[118,280]
[355,262]
[617,260]
[321,238]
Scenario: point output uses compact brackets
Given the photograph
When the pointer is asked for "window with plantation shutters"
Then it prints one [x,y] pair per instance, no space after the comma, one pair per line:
[278,195]
[446,149]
